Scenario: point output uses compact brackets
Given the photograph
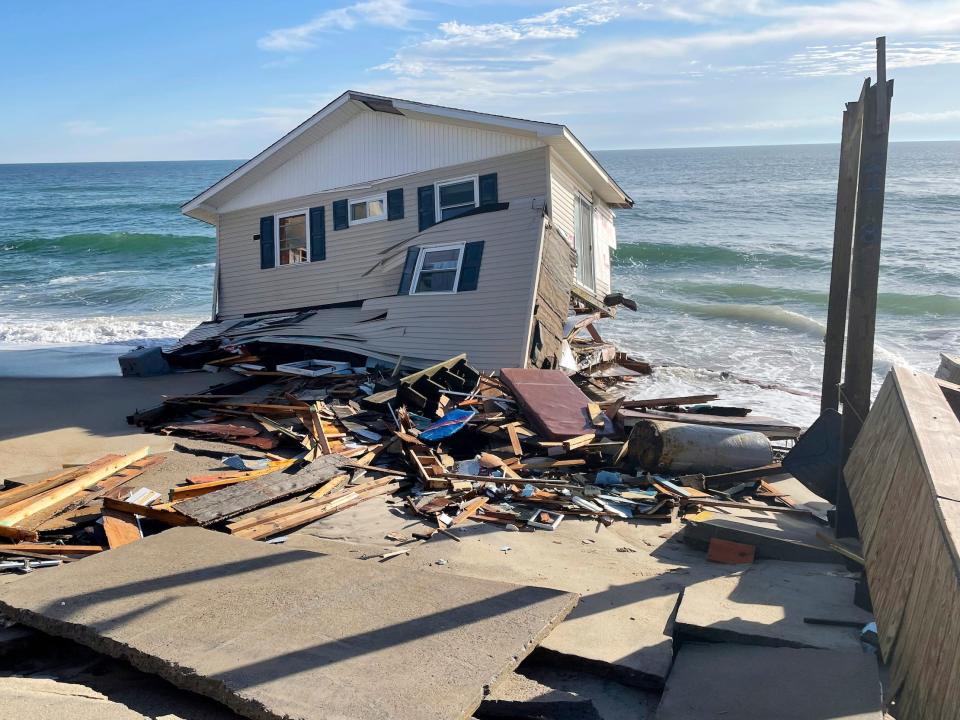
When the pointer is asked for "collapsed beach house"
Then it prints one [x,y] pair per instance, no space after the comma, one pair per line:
[395,230]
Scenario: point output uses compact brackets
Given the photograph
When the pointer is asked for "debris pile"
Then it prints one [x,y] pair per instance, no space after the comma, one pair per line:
[522,449]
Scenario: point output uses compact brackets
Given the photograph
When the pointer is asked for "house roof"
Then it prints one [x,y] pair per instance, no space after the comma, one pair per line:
[204,206]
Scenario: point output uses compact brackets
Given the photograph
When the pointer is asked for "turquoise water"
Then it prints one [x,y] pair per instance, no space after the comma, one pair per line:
[727,252]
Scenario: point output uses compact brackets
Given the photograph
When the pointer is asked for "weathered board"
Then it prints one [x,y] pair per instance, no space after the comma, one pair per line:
[237,499]
[283,633]
[903,475]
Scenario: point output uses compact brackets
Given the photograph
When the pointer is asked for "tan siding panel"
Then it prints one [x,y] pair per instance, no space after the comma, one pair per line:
[351,253]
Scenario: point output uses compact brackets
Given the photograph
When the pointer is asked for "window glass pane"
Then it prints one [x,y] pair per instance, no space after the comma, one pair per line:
[440,260]
[358,211]
[460,193]
[437,281]
[293,239]
[375,208]
[447,213]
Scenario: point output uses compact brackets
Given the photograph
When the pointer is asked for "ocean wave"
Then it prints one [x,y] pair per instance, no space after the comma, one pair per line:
[118,242]
[892,303]
[769,315]
[96,330]
[659,253]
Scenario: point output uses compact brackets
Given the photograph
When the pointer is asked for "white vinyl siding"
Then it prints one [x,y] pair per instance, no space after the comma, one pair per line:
[350,271]
[373,145]
[564,190]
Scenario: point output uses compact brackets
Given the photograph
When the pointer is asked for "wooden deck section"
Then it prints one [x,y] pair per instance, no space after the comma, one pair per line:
[904,481]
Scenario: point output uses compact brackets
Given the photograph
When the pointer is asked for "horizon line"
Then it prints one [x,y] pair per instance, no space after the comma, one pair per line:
[633,149]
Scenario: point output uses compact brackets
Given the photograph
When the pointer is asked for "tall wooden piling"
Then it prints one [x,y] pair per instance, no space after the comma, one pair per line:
[864,277]
[842,245]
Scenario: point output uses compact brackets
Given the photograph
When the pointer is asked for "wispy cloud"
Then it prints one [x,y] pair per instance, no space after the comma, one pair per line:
[84,128]
[857,59]
[381,13]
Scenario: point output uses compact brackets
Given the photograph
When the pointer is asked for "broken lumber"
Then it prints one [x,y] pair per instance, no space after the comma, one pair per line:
[87,478]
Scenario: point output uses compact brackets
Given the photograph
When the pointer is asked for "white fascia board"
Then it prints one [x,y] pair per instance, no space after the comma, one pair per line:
[478,119]
[573,151]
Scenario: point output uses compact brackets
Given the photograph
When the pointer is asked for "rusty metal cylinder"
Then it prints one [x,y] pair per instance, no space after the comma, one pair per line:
[672,448]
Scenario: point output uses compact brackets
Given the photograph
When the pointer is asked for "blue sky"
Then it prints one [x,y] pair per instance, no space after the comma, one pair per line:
[112,80]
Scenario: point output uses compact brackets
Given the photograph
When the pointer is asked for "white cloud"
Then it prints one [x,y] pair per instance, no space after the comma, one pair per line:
[858,59]
[84,128]
[381,13]
[926,117]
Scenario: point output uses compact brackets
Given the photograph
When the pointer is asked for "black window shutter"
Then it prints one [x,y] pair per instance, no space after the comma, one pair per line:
[470,267]
[408,267]
[426,209]
[395,204]
[318,234]
[340,221]
[488,189]
[267,256]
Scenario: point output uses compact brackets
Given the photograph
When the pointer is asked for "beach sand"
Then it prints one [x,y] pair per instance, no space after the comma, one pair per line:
[46,422]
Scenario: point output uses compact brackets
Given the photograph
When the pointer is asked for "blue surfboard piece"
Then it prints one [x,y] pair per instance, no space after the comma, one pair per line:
[451,423]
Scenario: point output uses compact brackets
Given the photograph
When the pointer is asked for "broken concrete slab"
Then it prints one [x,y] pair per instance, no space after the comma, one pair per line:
[766,604]
[725,681]
[623,624]
[275,633]
[46,699]
[777,536]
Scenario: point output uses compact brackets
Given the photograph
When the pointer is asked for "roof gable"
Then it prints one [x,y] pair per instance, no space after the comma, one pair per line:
[359,139]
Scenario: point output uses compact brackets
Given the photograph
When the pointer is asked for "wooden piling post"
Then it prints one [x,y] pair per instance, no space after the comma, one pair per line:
[864,277]
[842,243]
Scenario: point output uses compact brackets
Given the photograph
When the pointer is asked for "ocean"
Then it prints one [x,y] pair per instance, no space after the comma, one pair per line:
[727,253]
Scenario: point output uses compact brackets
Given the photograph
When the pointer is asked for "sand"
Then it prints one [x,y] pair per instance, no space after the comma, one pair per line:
[46,422]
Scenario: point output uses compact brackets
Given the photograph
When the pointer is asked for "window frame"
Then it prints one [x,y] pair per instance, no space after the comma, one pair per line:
[276,236]
[424,249]
[382,197]
[475,179]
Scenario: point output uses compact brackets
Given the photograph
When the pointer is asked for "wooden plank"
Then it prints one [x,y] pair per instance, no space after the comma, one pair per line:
[864,279]
[63,517]
[724,480]
[15,533]
[669,401]
[14,495]
[120,528]
[842,244]
[514,440]
[168,517]
[313,513]
[237,499]
[468,510]
[87,478]
[50,549]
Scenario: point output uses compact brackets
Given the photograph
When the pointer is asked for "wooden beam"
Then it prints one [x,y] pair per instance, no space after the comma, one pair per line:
[50,549]
[87,478]
[168,517]
[864,278]
[842,243]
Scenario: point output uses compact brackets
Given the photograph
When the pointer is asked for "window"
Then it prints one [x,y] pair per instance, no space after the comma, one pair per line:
[438,269]
[583,235]
[455,197]
[292,232]
[369,209]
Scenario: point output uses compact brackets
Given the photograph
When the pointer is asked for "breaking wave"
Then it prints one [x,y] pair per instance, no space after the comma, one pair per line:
[113,243]
[768,315]
[96,330]
[660,253]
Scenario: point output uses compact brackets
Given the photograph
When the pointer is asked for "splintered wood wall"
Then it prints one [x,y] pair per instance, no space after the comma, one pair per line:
[904,480]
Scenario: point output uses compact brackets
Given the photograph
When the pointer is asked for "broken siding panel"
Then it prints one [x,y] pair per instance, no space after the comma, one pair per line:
[564,187]
[245,288]
[490,323]
[375,145]
[553,300]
